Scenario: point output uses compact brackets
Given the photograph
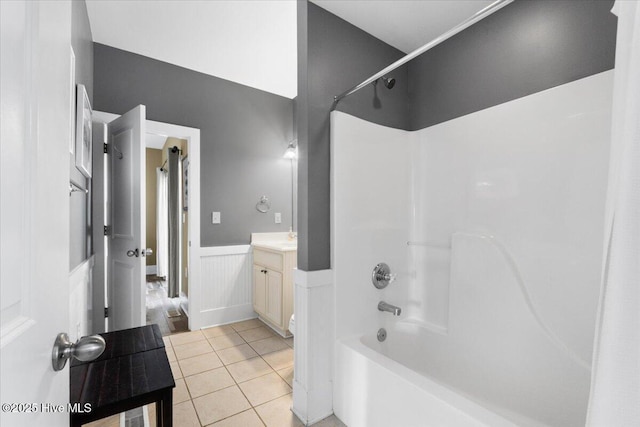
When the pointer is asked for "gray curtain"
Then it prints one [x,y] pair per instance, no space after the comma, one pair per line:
[175,222]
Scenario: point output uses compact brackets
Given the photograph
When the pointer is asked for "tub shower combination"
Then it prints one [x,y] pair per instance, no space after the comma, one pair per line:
[492,223]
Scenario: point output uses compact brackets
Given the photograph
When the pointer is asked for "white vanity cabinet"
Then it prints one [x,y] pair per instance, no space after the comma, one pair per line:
[273,285]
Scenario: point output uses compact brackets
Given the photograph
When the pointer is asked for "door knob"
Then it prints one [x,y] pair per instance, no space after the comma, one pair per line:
[132,253]
[85,349]
[147,252]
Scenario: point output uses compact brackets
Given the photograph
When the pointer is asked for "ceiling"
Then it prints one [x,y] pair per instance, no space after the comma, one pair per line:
[404,24]
[253,42]
[156,141]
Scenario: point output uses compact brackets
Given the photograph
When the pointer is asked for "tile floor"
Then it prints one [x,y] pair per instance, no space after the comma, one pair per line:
[233,375]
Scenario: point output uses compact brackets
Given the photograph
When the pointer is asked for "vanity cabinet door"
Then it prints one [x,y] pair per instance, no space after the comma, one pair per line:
[274,297]
[259,289]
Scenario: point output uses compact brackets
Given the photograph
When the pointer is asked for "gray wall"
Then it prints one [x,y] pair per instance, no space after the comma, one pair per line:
[244,133]
[334,55]
[526,47]
[80,214]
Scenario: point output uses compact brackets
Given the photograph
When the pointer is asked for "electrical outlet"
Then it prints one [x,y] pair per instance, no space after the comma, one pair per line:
[215,217]
[278,218]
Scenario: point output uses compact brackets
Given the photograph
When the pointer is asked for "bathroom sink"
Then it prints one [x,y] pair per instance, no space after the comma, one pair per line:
[274,241]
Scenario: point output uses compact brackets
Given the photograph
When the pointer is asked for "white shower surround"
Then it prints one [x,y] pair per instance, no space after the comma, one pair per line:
[505,210]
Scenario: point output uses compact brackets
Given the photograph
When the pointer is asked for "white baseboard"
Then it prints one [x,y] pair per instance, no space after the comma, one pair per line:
[312,406]
[152,269]
[224,315]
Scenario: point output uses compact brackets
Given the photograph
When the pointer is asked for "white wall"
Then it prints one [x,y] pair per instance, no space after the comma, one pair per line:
[80,300]
[370,189]
[532,173]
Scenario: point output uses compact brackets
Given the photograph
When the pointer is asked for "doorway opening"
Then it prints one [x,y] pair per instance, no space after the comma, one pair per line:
[173,309]
[167,272]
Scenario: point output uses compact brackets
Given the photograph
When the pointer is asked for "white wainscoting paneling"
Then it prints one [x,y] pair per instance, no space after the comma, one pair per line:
[80,304]
[226,294]
[313,353]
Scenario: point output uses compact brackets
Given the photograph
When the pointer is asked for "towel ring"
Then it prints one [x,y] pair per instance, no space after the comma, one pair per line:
[263,205]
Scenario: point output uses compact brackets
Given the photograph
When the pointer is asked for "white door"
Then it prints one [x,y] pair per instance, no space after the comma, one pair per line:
[126,263]
[34,209]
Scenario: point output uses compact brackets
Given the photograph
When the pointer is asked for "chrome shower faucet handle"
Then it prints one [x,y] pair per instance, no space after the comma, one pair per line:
[382,276]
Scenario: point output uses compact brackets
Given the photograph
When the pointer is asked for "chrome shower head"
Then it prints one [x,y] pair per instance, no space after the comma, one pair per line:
[389,82]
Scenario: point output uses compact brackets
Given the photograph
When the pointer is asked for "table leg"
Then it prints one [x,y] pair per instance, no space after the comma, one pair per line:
[167,408]
[74,422]
[159,413]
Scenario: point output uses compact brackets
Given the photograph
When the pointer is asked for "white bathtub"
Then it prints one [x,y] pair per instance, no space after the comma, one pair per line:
[373,390]
[411,379]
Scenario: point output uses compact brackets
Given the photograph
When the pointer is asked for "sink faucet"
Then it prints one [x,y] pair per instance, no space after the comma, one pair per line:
[383,306]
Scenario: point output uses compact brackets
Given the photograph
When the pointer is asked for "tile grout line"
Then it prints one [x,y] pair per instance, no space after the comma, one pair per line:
[253,407]
[238,384]
[235,383]
[225,366]
[264,403]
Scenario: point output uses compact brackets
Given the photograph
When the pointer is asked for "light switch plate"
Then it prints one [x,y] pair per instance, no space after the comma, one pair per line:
[278,216]
[215,217]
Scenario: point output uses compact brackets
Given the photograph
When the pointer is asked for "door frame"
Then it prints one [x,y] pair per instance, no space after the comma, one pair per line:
[192,135]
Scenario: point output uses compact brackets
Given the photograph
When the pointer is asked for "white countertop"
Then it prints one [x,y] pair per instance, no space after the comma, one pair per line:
[276,245]
[274,241]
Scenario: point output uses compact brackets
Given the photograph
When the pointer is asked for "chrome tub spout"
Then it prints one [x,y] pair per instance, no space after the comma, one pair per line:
[383,306]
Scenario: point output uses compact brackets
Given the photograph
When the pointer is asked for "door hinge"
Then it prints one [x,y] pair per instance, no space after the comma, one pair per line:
[107,230]
[106,312]
[105,148]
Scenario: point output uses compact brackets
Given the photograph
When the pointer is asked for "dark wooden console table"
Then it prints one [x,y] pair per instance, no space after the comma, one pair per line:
[133,371]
